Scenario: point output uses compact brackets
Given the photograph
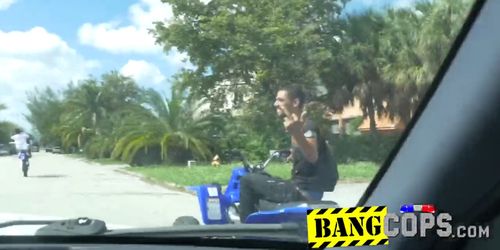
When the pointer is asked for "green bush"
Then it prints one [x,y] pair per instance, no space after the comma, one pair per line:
[366,147]
[99,147]
[147,157]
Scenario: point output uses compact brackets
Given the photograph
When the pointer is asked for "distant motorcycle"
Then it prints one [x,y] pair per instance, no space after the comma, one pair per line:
[25,161]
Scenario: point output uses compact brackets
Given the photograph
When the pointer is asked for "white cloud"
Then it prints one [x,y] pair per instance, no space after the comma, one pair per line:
[5,4]
[144,13]
[404,3]
[35,58]
[134,38]
[178,60]
[117,38]
[22,43]
[395,3]
[143,72]
[362,4]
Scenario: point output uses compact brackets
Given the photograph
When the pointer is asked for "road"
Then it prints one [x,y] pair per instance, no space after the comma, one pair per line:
[68,187]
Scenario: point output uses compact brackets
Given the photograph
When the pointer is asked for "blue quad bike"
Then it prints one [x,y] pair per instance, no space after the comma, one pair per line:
[222,208]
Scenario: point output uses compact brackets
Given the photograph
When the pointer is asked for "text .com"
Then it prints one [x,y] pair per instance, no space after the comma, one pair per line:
[411,225]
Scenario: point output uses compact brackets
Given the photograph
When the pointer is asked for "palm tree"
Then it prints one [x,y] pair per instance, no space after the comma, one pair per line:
[362,48]
[176,125]
[414,46]
[45,107]
[441,24]
[402,62]
[93,109]
[119,96]
[83,110]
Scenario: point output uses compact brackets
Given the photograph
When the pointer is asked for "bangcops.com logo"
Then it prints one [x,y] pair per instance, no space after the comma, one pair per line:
[369,226]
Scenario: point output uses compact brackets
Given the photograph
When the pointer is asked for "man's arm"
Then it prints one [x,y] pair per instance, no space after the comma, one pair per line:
[308,144]
[306,141]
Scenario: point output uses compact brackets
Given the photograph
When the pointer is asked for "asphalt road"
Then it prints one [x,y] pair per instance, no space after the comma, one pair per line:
[67,187]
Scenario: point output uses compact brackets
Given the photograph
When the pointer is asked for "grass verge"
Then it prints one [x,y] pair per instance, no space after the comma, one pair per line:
[205,174]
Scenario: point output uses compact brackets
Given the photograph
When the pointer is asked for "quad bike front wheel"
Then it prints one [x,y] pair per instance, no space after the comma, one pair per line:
[186,220]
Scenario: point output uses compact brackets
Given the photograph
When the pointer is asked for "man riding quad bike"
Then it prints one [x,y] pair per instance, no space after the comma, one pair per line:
[314,172]
[314,169]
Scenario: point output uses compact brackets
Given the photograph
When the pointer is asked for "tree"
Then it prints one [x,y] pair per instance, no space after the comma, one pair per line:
[414,46]
[258,43]
[441,22]
[6,130]
[363,52]
[45,108]
[175,125]
[91,110]
[256,129]
[82,110]
[250,48]
[120,97]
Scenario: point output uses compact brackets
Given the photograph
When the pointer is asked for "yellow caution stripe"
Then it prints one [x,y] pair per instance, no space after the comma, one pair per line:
[342,243]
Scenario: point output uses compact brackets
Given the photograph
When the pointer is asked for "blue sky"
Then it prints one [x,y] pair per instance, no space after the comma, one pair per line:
[51,42]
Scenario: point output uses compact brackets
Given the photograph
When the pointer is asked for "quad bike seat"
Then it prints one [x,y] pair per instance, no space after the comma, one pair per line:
[265,205]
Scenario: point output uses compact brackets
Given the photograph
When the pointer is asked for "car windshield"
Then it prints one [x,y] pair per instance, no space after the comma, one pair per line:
[141,112]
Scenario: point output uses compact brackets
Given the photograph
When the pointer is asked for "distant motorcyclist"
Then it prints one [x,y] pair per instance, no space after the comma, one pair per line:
[22,141]
[314,168]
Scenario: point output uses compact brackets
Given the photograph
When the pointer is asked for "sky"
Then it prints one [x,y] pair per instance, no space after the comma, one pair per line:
[52,42]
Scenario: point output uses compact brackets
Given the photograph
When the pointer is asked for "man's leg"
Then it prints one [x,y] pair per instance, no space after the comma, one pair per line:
[248,196]
[254,187]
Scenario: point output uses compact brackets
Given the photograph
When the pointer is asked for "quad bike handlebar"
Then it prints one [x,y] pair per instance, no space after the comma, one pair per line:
[262,165]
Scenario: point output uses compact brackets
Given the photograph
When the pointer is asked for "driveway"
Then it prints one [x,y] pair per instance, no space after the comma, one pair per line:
[68,187]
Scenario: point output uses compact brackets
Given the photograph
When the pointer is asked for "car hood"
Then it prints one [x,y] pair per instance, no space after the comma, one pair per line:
[30,230]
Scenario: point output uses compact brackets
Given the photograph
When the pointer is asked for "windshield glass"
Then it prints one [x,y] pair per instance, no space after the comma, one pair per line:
[140,112]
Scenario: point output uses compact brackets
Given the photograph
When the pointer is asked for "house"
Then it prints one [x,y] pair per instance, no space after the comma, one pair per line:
[350,112]
[383,124]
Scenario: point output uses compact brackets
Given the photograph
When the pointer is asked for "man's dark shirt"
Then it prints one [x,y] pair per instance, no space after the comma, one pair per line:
[321,176]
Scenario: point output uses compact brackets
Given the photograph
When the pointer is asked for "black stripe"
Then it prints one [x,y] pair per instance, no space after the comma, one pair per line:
[382,241]
[350,210]
[368,242]
[309,211]
[365,209]
[336,210]
[340,243]
[322,211]
[379,209]
[311,245]
[353,243]
[324,245]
